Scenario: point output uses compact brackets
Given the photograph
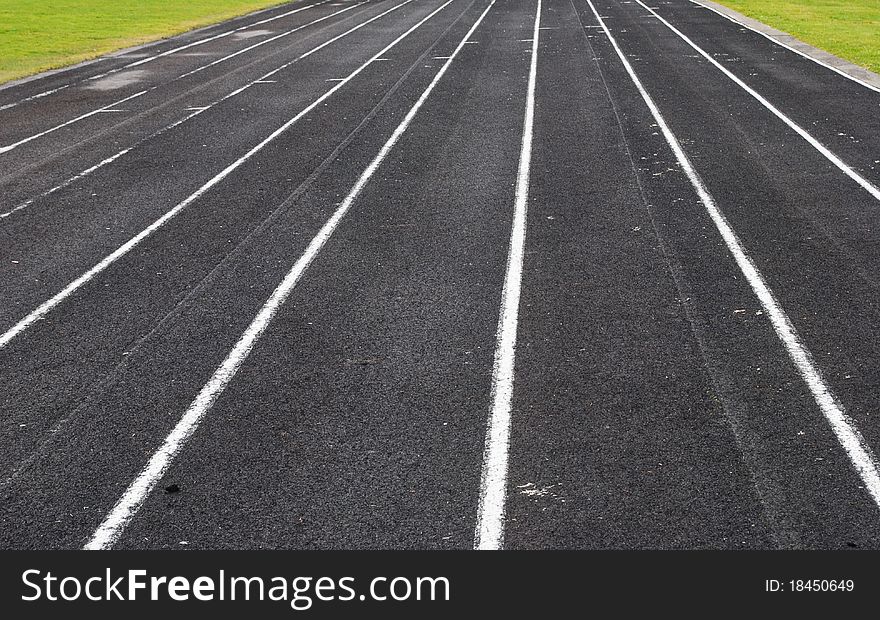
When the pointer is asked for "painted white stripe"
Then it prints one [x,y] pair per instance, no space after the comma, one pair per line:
[789,47]
[10,147]
[834,159]
[198,110]
[161,55]
[125,248]
[66,183]
[105,162]
[849,437]
[32,97]
[265,42]
[113,525]
[489,531]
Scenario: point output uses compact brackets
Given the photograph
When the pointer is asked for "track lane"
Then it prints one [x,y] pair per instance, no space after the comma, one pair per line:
[376,428]
[31,120]
[157,344]
[770,207]
[618,439]
[840,113]
[817,234]
[159,107]
[834,158]
[340,177]
[50,83]
[162,460]
[107,320]
[654,405]
[125,214]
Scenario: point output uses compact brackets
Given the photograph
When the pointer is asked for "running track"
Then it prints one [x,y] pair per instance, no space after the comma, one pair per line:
[442,274]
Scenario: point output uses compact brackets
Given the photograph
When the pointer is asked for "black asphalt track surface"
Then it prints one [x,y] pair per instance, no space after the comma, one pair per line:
[654,404]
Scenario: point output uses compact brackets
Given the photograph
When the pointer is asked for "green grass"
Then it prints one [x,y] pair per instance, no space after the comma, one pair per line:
[846,28]
[36,35]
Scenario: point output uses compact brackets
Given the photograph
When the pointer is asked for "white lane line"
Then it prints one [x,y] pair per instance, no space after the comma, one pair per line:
[113,525]
[161,55]
[197,110]
[264,42]
[489,531]
[859,452]
[66,183]
[6,149]
[125,248]
[108,107]
[104,162]
[789,47]
[834,159]
[32,97]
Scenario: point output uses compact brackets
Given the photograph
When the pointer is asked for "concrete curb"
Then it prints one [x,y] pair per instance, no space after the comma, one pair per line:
[844,67]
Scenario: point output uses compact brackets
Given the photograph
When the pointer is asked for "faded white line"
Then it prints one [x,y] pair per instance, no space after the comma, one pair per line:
[834,159]
[104,162]
[859,452]
[489,531]
[6,149]
[66,183]
[161,55]
[124,249]
[113,525]
[789,47]
[198,110]
[264,42]
[32,97]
